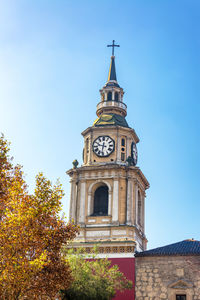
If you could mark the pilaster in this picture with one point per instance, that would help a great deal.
(129, 200)
(82, 202)
(73, 201)
(115, 208)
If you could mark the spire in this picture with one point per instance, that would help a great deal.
(112, 71)
(112, 96)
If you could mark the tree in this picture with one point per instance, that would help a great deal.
(93, 278)
(31, 235)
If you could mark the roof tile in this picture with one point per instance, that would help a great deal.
(186, 247)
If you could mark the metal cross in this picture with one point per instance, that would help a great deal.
(113, 45)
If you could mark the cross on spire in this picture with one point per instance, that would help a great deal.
(113, 46)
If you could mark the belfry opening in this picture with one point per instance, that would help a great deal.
(101, 201)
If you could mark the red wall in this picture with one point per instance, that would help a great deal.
(126, 266)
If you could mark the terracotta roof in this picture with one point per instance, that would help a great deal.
(186, 247)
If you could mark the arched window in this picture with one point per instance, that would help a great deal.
(139, 209)
(109, 98)
(116, 96)
(101, 201)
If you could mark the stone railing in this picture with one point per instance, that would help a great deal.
(118, 104)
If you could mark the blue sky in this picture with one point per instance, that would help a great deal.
(54, 60)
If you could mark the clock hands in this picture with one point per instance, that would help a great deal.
(103, 146)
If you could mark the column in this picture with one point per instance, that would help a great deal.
(136, 203)
(90, 148)
(113, 95)
(106, 96)
(72, 214)
(143, 210)
(115, 212)
(109, 202)
(129, 201)
(90, 208)
(133, 202)
(118, 149)
(82, 202)
(128, 147)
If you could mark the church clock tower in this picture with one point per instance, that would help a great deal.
(108, 190)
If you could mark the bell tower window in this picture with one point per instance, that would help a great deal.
(109, 98)
(116, 96)
(101, 201)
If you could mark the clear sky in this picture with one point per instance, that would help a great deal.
(54, 60)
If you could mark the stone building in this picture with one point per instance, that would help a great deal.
(170, 273)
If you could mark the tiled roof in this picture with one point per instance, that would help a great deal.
(186, 247)
(110, 119)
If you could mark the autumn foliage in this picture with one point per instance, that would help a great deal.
(93, 278)
(31, 235)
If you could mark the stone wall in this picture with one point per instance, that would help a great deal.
(164, 277)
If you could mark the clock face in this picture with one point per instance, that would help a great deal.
(103, 146)
(134, 153)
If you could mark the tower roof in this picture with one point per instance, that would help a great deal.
(186, 247)
(112, 71)
(110, 120)
(112, 77)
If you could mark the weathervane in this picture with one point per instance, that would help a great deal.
(113, 46)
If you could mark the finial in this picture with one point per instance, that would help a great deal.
(75, 163)
(113, 46)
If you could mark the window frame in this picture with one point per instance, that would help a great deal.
(181, 295)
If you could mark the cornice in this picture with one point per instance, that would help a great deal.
(99, 128)
(109, 166)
